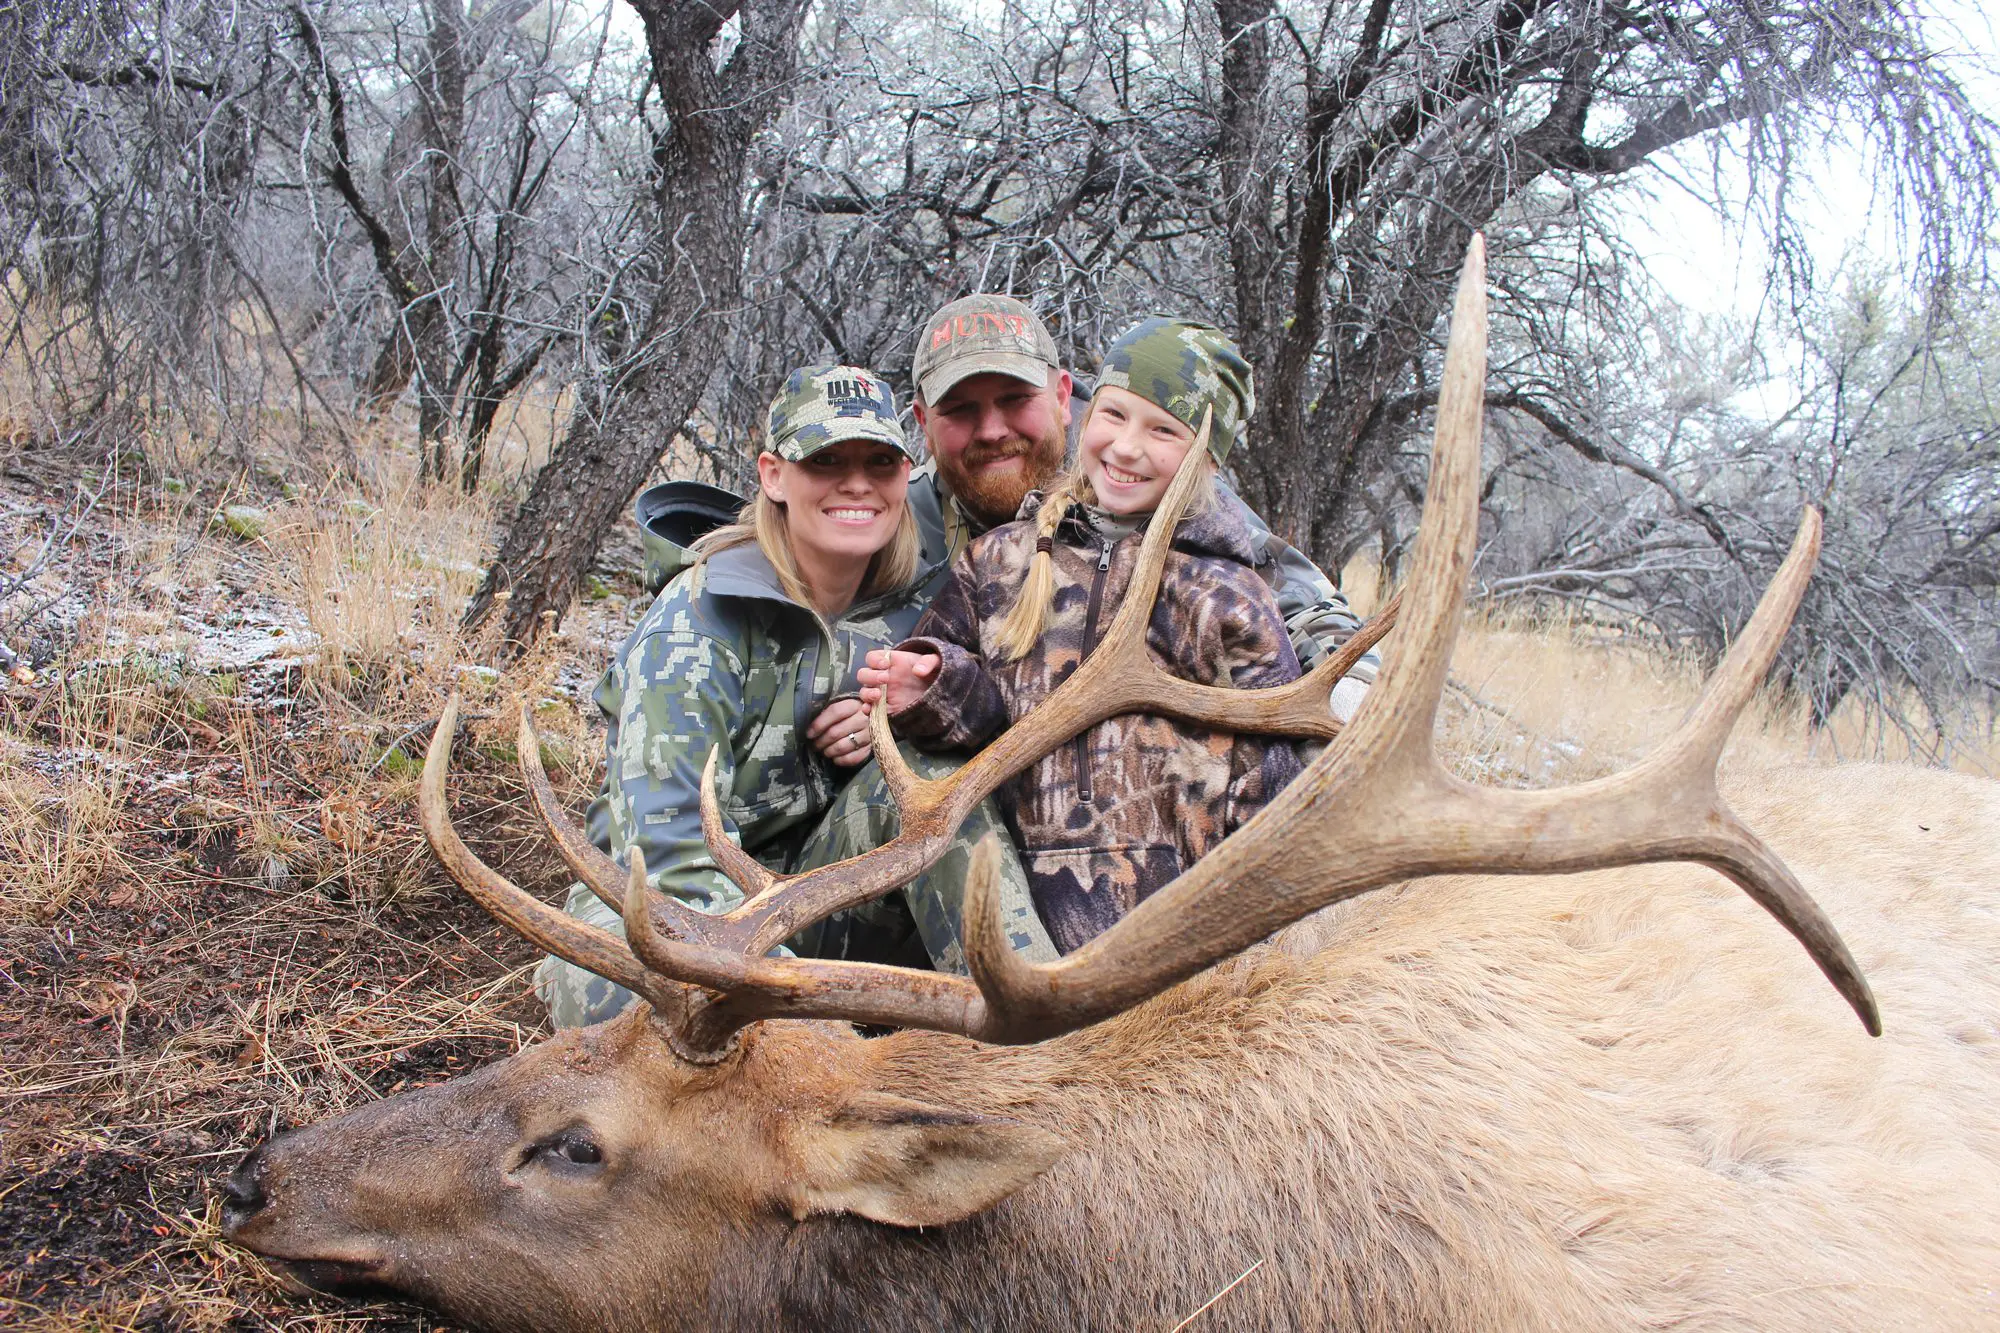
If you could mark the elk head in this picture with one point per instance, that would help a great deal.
(598, 1179)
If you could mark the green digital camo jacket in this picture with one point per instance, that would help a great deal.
(1316, 616)
(1104, 821)
(723, 657)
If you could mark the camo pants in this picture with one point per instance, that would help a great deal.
(916, 926)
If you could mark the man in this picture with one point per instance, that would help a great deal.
(994, 406)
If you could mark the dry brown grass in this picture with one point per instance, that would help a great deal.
(57, 838)
(219, 915)
(380, 585)
(1542, 699)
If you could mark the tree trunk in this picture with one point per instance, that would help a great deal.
(442, 88)
(625, 419)
(394, 364)
(1281, 299)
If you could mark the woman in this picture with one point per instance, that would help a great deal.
(743, 648)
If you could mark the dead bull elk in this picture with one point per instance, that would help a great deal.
(1589, 1102)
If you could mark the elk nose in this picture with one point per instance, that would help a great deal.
(243, 1191)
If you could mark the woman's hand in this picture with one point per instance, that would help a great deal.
(896, 676)
(840, 733)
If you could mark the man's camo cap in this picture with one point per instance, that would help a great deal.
(981, 335)
(823, 405)
(1184, 367)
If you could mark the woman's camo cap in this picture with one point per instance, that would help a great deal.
(823, 405)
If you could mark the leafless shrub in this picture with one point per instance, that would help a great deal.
(1661, 512)
(288, 204)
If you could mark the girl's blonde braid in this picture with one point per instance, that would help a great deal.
(1022, 629)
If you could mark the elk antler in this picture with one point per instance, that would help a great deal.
(1374, 808)
(557, 932)
(710, 972)
(1377, 807)
(1119, 677)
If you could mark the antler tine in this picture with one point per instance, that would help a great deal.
(1708, 724)
(1376, 807)
(896, 774)
(1297, 709)
(1358, 643)
(593, 867)
(553, 931)
(1400, 713)
(749, 987)
(743, 869)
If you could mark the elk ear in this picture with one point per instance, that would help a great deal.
(909, 1164)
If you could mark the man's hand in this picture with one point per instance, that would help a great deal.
(897, 676)
(840, 732)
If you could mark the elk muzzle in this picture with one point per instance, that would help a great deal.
(246, 1219)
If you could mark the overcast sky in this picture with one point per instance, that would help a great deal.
(1716, 264)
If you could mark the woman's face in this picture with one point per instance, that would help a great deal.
(1130, 450)
(842, 503)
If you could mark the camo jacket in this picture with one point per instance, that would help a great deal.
(723, 657)
(1118, 813)
(1315, 613)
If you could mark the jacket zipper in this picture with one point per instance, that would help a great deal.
(1083, 786)
(819, 785)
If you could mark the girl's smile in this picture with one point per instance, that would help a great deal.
(1130, 449)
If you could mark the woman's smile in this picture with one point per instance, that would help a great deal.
(843, 503)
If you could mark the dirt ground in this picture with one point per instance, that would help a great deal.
(217, 917)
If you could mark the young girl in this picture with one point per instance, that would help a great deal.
(1118, 813)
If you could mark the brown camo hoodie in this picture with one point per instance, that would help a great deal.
(1118, 813)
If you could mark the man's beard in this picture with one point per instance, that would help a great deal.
(994, 498)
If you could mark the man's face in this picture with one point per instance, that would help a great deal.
(996, 438)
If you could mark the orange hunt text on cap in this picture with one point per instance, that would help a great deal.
(964, 326)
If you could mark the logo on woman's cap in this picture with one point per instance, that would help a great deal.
(823, 405)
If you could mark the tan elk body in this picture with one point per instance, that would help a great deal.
(1613, 1100)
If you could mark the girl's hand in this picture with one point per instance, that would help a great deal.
(896, 676)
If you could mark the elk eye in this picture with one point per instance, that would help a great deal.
(576, 1148)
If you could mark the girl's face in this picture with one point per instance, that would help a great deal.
(843, 503)
(1130, 449)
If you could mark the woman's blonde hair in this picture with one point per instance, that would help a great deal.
(1029, 616)
(764, 522)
